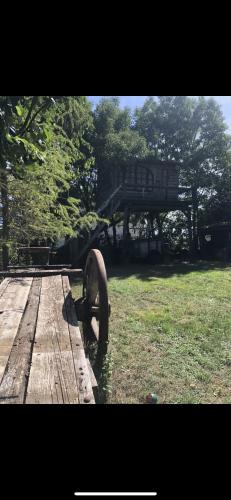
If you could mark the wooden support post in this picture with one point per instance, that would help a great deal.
(159, 226)
(107, 237)
(151, 219)
(114, 233)
(189, 221)
(126, 233)
(126, 224)
(160, 232)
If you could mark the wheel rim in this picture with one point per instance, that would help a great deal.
(95, 293)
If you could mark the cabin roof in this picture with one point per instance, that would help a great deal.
(148, 161)
(157, 162)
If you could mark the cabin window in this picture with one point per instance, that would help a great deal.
(131, 176)
(141, 178)
(138, 178)
(157, 177)
(164, 177)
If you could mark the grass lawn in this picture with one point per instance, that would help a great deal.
(170, 333)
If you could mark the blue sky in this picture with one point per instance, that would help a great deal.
(133, 101)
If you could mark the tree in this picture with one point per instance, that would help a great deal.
(146, 123)
(114, 139)
(18, 116)
(41, 139)
(115, 143)
(192, 132)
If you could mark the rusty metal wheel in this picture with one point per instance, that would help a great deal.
(94, 308)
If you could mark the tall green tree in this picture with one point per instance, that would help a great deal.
(20, 133)
(115, 143)
(41, 140)
(114, 139)
(191, 131)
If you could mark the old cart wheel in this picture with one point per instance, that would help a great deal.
(95, 298)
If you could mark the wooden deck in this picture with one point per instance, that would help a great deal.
(42, 359)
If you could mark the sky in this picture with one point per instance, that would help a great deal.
(134, 101)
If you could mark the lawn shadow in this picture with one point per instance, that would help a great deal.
(147, 272)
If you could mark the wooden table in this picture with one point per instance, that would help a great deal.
(42, 358)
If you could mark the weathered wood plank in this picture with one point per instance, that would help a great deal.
(15, 378)
(92, 375)
(12, 305)
(52, 375)
(3, 286)
(41, 266)
(41, 273)
(81, 366)
(34, 249)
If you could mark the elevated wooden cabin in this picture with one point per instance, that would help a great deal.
(144, 185)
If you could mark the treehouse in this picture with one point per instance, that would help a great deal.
(142, 186)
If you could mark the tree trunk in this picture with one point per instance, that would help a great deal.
(114, 233)
(126, 224)
(107, 237)
(126, 234)
(189, 223)
(160, 226)
(151, 220)
(160, 232)
(5, 218)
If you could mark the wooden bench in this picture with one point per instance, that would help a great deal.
(42, 355)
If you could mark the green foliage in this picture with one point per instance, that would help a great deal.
(192, 132)
(38, 212)
(43, 154)
(52, 147)
(115, 142)
(189, 130)
(146, 124)
(124, 147)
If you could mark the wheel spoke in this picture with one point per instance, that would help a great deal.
(95, 327)
(96, 295)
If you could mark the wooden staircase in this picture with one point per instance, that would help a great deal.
(113, 207)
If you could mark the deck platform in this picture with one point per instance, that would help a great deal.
(42, 357)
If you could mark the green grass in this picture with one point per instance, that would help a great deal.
(170, 333)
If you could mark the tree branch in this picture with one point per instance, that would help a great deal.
(23, 127)
(29, 119)
(46, 104)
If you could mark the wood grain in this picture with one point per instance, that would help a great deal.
(81, 366)
(53, 372)
(12, 305)
(3, 286)
(41, 273)
(15, 378)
